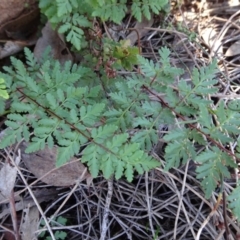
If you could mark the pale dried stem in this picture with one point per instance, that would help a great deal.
(105, 220)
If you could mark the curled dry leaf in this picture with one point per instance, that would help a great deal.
(53, 39)
(233, 50)
(8, 175)
(43, 165)
(10, 48)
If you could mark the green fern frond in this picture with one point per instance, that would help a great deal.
(113, 130)
(71, 16)
(66, 7)
(112, 124)
(163, 73)
(111, 10)
(148, 67)
(67, 152)
(146, 138)
(234, 200)
(91, 155)
(145, 7)
(213, 167)
(3, 91)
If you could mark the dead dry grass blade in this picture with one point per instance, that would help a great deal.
(32, 195)
(159, 204)
(106, 211)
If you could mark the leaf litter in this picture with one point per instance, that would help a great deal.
(172, 203)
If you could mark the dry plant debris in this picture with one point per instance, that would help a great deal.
(42, 165)
(51, 38)
(171, 202)
(18, 25)
(30, 223)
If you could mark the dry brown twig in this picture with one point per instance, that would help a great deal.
(105, 219)
(31, 193)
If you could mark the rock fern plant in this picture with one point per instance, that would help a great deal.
(72, 17)
(68, 107)
(112, 123)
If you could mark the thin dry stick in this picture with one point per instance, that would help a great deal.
(180, 35)
(181, 204)
(16, 194)
(32, 195)
(225, 215)
(187, 185)
(13, 206)
(148, 205)
(69, 227)
(122, 224)
(184, 211)
(232, 146)
(208, 218)
(6, 230)
(223, 31)
(9, 194)
(69, 195)
(14, 216)
(166, 30)
(106, 209)
(220, 235)
(133, 194)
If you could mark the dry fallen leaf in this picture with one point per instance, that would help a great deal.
(140, 30)
(209, 36)
(29, 225)
(53, 39)
(43, 165)
(8, 175)
(11, 48)
(233, 50)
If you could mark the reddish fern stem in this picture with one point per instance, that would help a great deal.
(189, 124)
